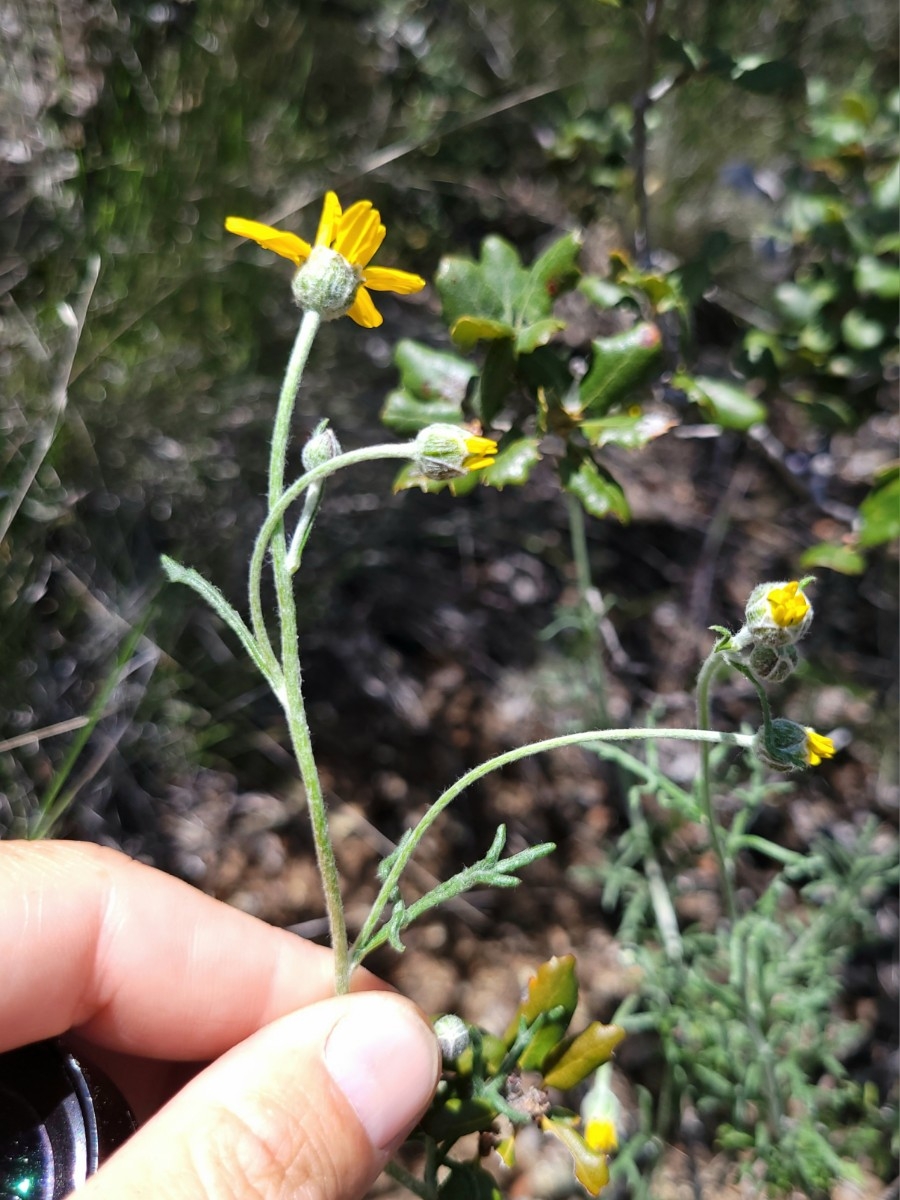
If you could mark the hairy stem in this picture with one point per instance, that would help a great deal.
(586, 738)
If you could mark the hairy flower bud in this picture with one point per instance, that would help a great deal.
(326, 283)
(778, 614)
(321, 447)
(448, 451)
(453, 1036)
(791, 746)
(773, 663)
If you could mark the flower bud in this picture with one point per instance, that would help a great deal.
(453, 1036)
(326, 283)
(448, 451)
(791, 746)
(602, 1113)
(321, 447)
(778, 614)
(773, 663)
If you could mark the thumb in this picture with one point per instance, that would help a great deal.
(310, 1106)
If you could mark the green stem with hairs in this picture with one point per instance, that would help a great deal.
(586, 738)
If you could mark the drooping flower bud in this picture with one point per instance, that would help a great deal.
(326, 283)
(773, 663)
(791, 746)
(602, 1113)
(453, 1036)
(778, 614)
(321, 447)
(448, 451)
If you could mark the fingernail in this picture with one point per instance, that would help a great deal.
(384, 1058)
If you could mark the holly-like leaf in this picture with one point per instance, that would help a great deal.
(468, 331)
(591, 1167)
(725, 403)
(497, 297)
(621, 363)
(434, 385)
(632, 431)
(568, 1065)
(513, 465)
(599, 494)
(538, 334)
(553, 987)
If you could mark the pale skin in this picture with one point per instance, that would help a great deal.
(249, 1078)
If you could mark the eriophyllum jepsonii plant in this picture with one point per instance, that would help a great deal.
(334, 278)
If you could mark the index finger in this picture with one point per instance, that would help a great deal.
(137, 960)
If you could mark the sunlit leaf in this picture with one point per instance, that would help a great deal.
(834, 557)
(725, 403)
(631, 431)
(585, 1054)
(553, 986)
(591, 1167)
(620, 364)
(538, 334)
(468, 331)
(880, 512)
(877, 278)
(600, 495)
(514, 463)
(861, 332)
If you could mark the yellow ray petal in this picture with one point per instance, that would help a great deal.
(387, 279)
(364, 312)
(358, 232)
(330, 219)
(288, 245)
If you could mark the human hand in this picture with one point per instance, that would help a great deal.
(305, 1093)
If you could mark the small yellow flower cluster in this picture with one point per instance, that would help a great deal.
(334, 275)
(788, 605)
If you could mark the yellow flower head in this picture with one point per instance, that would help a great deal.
(788, 605)
(788, 746)
(448, 451)
(778, 614)
(339, 274)
(817, 747)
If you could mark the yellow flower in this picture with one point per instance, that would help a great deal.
(817, 747)
(355, 236)
(788, 605)
(600, 1134)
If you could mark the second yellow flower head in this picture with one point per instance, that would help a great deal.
(344, 246)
